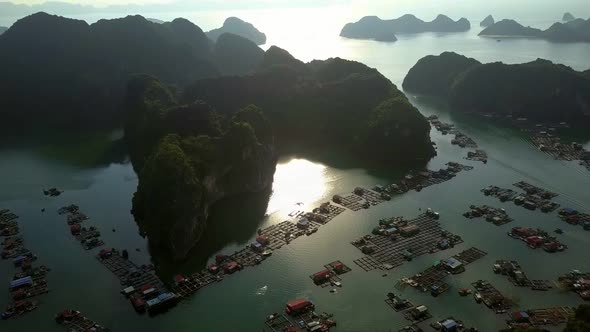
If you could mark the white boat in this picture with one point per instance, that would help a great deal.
(336, 283)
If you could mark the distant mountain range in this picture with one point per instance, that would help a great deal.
(577, 30)
(568, 17)
(372, 27)
(238, 27)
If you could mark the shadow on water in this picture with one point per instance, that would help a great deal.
(79, 149)
(233, 220)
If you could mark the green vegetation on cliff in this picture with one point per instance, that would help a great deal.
(435, 75)
(332, 103)
(540, 90)
(60, 71)
(187, 158)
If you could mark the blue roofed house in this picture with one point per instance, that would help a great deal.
(453, 265)
(449, 325)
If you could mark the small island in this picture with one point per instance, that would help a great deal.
(539, 90)
(374, 28)
(577, 30)
(568, 17)
(238, 27)
(488, 21)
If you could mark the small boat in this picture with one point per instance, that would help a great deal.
(266, 253)
(333, 290)
(558, 231)
(464, 291)
(336, 283)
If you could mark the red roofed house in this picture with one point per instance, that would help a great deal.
(298, 306)
(535, 241)
(321, 276)
(231, 267)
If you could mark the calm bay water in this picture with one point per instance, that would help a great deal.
(103, 189)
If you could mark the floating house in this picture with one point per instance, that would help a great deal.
(322, 276)
(298, 306)
(453, 265)
(409, 230)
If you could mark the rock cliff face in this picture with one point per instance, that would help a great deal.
(489, 20)
(187, 161)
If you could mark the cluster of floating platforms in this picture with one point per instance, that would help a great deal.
(74, 321)
(460, 139)
(432, 278)
(268, 240)
(494, 215)
(27, 284)
(327, 212)
(362, 198)
(299, 323)
(517, 277)
(403, 240)
(573, 217)
(578, 282)
(477, 155)
(491, 297)
(8, 223)
(540, 317)
(533, 198)
(89, 237)
(139, 283)
(451, 324)
(553, 146)
(330, 275)
(537, 238)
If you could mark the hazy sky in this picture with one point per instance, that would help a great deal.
(473, 9)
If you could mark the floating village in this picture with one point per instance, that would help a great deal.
(393, 242)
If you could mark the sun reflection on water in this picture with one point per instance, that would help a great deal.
(297, 182)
